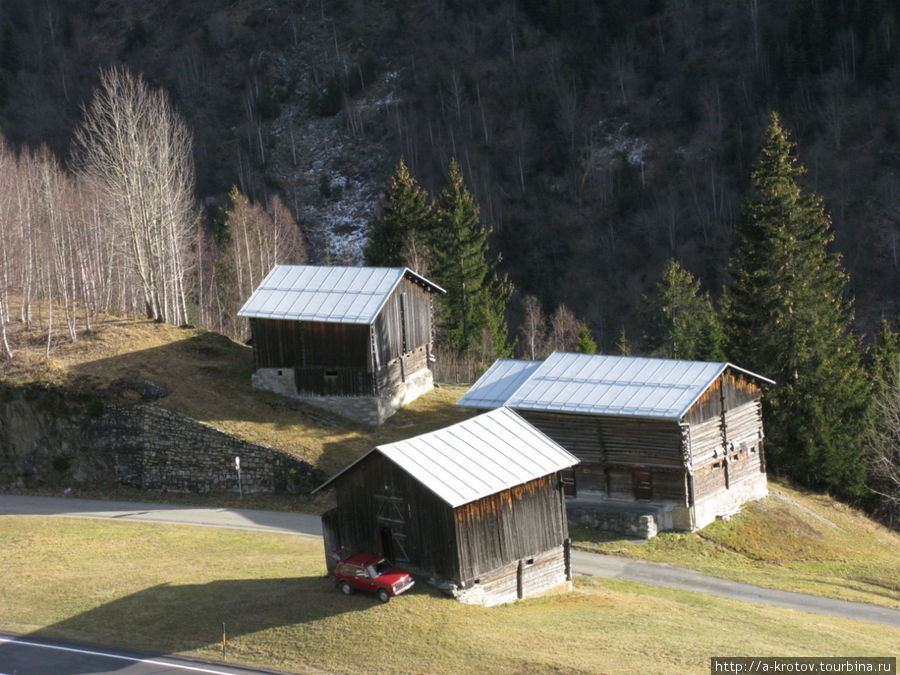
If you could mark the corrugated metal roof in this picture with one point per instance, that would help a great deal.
(498, 383)
(475, 458)
(326, 294)
(617, 386)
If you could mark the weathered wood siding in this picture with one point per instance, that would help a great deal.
(431, 538)
(726, 434)
(613, 440)
(730, 390)
(515, 524)
(289, 344)
(378, 494)
(520, 579)
(404, 323)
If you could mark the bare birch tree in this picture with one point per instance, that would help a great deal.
(534, 329)
(138, 149)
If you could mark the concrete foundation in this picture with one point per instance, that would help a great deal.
(371, 410)
(645, 519)
(725, 502)
(541, 575)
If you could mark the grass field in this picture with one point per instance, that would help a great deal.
(168, 589)
(793, 540)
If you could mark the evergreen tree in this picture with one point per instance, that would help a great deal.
(586, 343)
(685, 323)
(406, 220)
(476, 297)
(788, 319)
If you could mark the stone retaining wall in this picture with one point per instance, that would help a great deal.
(157, 449)
(46, 441)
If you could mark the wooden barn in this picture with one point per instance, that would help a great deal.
(354, 340)
(477, 508)
(685, 437)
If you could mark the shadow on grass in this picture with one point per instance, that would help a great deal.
(169, 619)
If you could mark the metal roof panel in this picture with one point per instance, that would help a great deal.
(326, 294)
(605, 385)
(498, 383)
(477, 457)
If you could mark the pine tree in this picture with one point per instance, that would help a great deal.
(586, 343)
(685, 323)
(788, 319)
(476, 297)
(406, 220)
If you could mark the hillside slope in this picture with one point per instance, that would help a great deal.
(793, 540)
(207, 377)
(600, 137)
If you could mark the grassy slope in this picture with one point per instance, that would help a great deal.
(792, 540)
(208, 378)
(280, 611)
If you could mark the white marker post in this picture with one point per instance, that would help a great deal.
(237, 465)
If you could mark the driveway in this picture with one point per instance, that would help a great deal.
(583, 563)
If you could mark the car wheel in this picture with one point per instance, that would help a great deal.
(383, 595)
(346, 588)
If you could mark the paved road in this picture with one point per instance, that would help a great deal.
(29, 656)
(582, 562)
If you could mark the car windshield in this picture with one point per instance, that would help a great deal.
(379, 568)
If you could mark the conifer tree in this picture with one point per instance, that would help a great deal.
(788, 319)
(685, 323)
(586, 343)
(476, 297)
(406, 221)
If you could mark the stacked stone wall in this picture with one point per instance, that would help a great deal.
(157, 449)
(139, 444)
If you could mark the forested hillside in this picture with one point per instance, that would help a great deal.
(600, 137)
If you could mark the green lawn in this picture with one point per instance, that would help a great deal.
(168, 589)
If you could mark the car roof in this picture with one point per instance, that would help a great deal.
(362, 559)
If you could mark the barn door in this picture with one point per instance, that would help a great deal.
(391, 524)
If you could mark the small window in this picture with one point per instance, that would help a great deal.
(331, 374)
(643, 485)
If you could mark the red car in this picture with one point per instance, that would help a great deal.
(372, 573)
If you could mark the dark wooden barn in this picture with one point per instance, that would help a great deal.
(356, 340)
(476, 507)
(684, 436)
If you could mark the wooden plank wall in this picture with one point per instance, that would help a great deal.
(732, 388)
(416, 303)
(289, 344)
(427, 523)
(401, 368)
(515, 524)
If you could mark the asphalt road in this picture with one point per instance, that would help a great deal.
(21, 655)
(583, 563)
